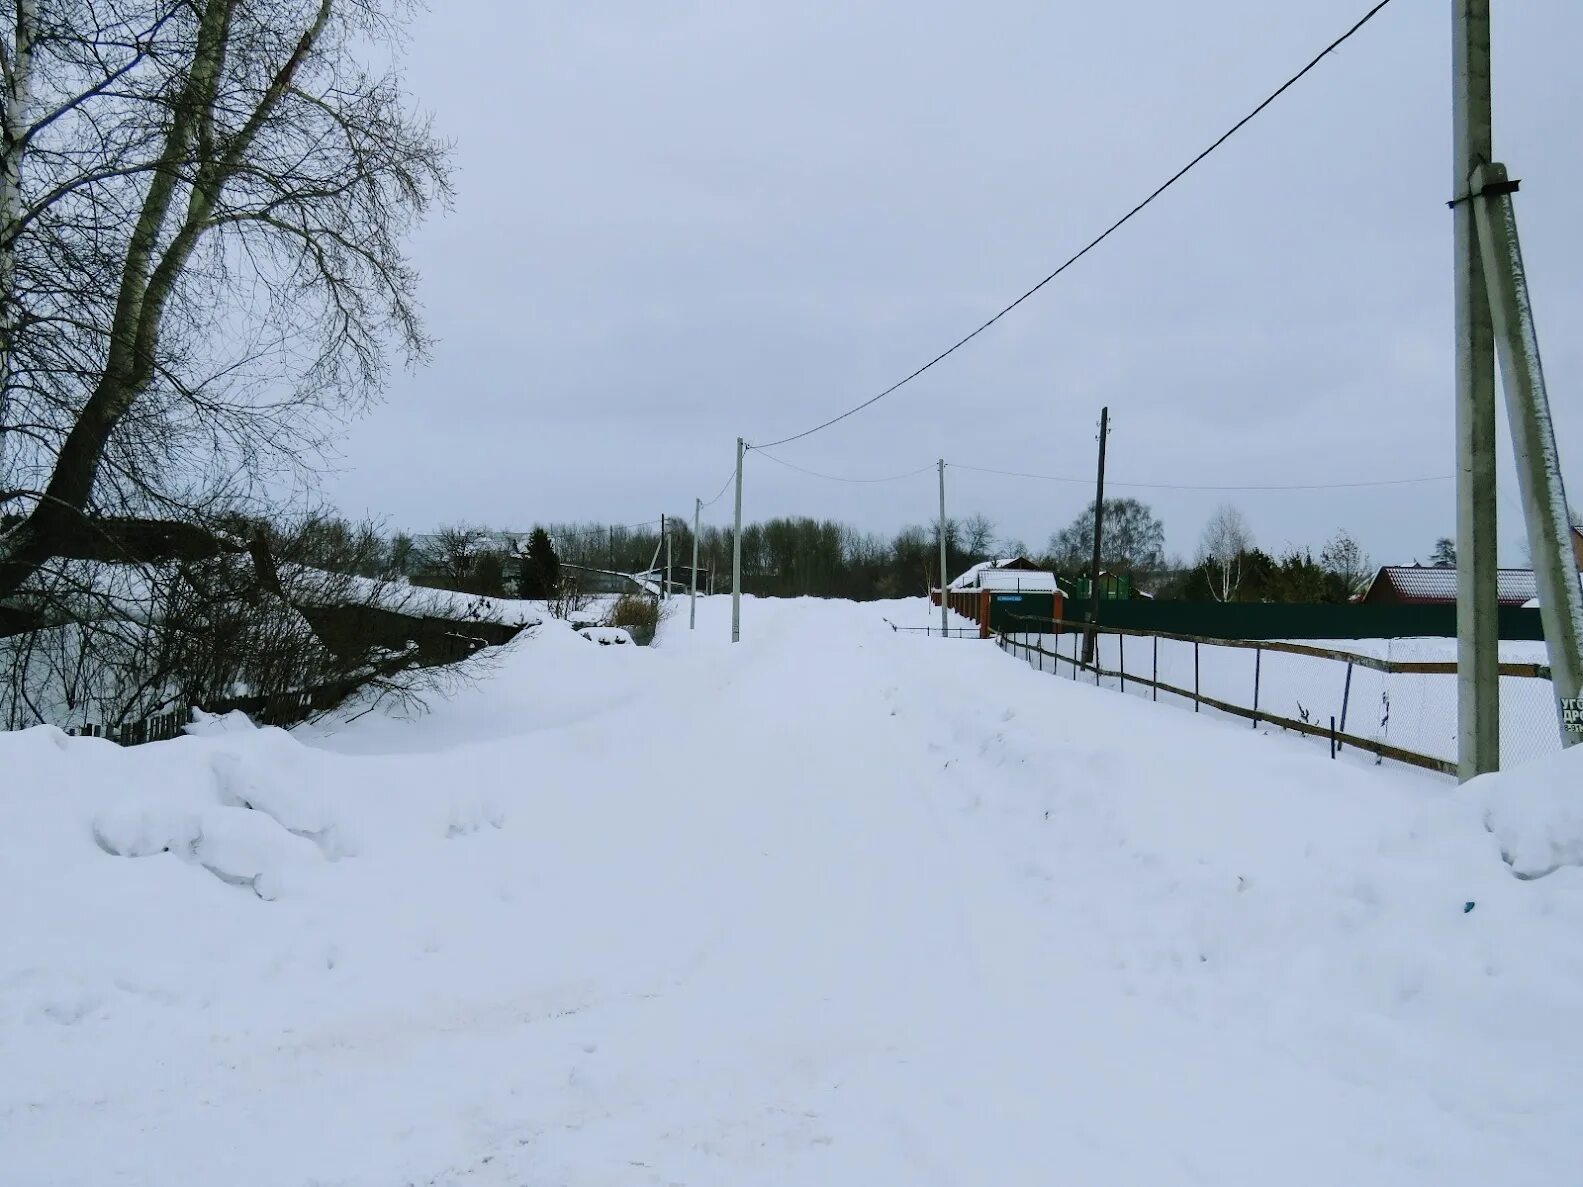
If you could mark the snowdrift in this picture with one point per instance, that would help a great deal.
(834, 906)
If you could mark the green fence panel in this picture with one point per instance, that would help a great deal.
(1006, 609)
(1277, 620)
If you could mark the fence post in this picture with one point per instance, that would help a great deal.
(1258, 655)
(1155, 691)
(1097, 663)
(1332, 735)
(1195, 675)
(1074, 655)
(1121, 661)
(1346, 694)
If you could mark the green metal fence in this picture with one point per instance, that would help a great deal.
(1275, 620)
(1006, 607)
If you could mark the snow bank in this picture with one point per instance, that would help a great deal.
(1535, 813)
(835, 905)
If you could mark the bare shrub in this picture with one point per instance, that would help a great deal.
(568, 600)
(639, 614)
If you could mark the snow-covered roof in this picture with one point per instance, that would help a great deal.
(511, 543)
(1417, 583)
(1008, 573)
(969, 579)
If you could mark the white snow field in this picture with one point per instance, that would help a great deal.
(836, 906)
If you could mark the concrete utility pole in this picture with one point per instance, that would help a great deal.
(692, 595)
(945, 621)
(1091, 638)
(736, 556)
(1533, 437)
(1478, 627)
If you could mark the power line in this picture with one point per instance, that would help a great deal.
(1185, 486)
(1209, 487)
(836, 477)
(1097, 240)
(721, 491)
(600, 532)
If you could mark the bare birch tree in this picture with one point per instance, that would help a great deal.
(1221, 550)
(202, 206)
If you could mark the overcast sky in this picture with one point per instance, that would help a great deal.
(681, 222)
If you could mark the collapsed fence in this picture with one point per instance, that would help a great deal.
(277, 709)
(1409, 704)
(280, 709)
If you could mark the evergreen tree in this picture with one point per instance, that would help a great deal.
(541, 567)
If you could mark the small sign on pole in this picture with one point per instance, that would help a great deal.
(1572, 714)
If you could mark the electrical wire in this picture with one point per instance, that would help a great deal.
(1097, 240)
(601, 532)
(721, 491)
(1210, 487)
(838, 478)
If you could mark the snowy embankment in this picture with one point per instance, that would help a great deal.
(834, 906)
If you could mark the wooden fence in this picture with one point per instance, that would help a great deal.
(159, 728)
(1335, 732)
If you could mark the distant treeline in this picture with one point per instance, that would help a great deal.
(806, 557)
(794, 557)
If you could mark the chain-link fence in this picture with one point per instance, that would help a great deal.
(1395, 699)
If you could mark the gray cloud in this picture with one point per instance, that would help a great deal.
(677, 223)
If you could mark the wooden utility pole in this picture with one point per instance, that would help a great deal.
(945, 621)
(736, 556)
(1091, 638)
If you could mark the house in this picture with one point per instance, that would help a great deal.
(1016, 573)
(1113, 587)
(601, 581)
(1011, 594)
(1420, 585)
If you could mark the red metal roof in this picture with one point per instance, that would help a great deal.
(1416, 583)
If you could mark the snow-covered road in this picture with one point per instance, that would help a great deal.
(834, 906)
